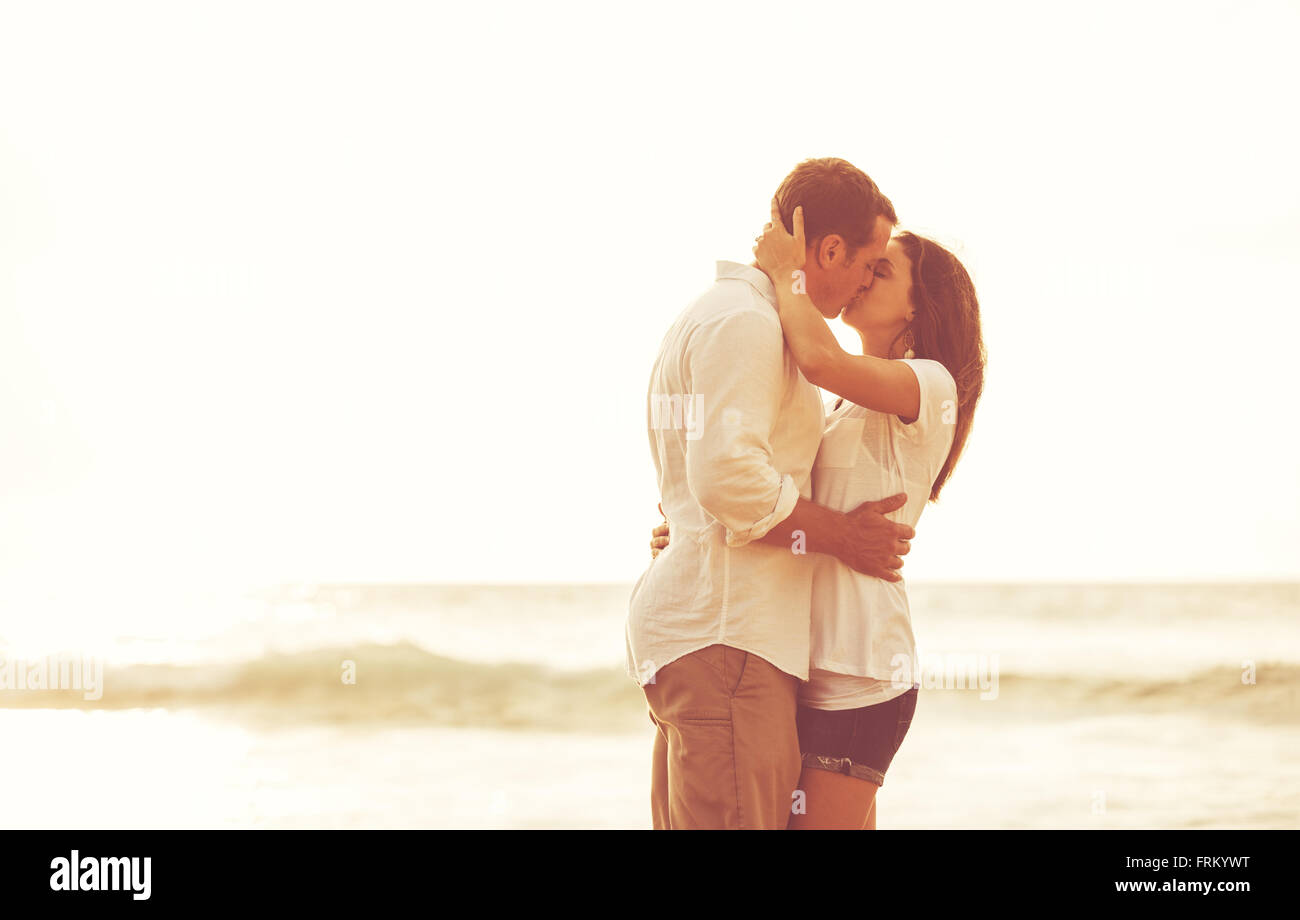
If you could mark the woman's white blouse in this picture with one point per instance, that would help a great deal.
(861, 626)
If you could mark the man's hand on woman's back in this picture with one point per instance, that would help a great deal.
(863, 539)
(873, 544)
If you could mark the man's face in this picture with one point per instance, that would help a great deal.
(844, 275)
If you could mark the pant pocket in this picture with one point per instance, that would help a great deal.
(692, 688)
(734, 664)
(703, 791)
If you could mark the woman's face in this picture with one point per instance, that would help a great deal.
(887, 303)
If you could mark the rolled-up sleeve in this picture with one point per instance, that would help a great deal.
(737, 373)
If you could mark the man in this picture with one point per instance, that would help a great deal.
(718, 626)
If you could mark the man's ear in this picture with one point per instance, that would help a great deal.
(831, 250)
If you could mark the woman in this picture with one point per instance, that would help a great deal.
(904, 413)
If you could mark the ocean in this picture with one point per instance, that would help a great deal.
(493, 706)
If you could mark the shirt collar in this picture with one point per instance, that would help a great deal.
(754, 277)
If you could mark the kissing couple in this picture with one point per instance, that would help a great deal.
(771, 632)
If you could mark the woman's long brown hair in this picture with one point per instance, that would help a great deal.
(946, 328)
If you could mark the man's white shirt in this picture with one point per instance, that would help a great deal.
(734, 430)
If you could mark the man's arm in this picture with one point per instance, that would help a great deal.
(816, 529)
(737, 380)
(737, 373)
(863, 539)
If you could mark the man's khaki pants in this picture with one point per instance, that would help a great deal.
(726, 752)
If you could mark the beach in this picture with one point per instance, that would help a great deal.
(506, 707)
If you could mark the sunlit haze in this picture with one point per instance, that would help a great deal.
(371, 292)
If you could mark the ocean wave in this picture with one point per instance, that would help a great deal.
(393, 683)
(406, 684)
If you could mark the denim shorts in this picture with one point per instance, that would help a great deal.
(856, 742)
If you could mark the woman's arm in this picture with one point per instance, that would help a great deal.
(873, 383)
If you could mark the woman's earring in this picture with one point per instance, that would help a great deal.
(909, 343)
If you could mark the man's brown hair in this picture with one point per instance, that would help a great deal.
(837, 197)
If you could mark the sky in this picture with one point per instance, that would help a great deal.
(371, 291)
